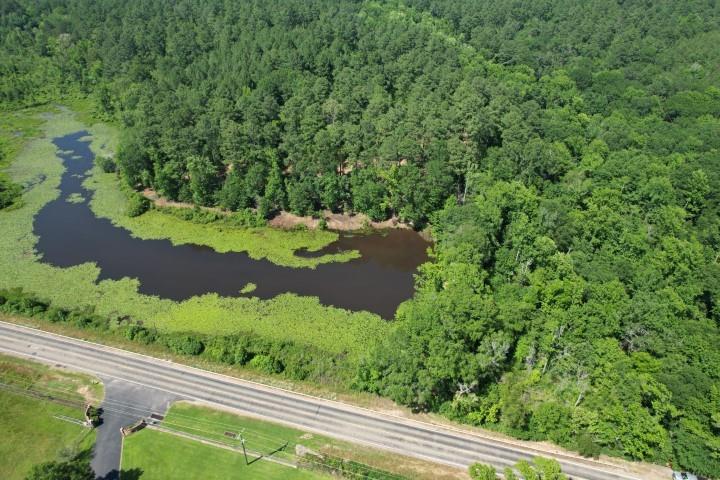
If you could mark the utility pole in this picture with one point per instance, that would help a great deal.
(242, 441)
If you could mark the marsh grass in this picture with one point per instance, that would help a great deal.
(276, 245)
(286, 317)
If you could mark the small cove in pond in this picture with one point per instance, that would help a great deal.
(70, 234)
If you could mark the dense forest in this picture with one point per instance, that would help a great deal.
(566, 156)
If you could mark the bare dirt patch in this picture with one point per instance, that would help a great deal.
(159, 201)
(342, 222)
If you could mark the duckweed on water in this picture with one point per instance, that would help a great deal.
(75, 198)
(286, 317)
(276, 245)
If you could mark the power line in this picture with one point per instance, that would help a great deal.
(267, 443)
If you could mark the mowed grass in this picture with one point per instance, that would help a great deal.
(260, 436)
(30, 432)
(266, 437)
(284, 318)
(155, 455)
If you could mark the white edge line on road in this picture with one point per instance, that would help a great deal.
(429, 426)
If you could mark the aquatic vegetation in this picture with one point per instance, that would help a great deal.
(16, 127)
(279, 246)
(112, 198)
(284, 318)
(75, 198)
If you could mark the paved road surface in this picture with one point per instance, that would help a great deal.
(124, 404)
(404, 436)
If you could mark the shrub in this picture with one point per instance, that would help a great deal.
(137, 205)
(141, 334)
(551, 420)
(587, 447)
(242, 353)
(263, 363)
(57, 315)
(220, 349)
(246, 218)
(107, 164)
(87, 319)
(17, 301)
(9, 192)
(184, 344)
(479, 471)
(264, 208)
(242, 218)
(94, 414)
(75, 469)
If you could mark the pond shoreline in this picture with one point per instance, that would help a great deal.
(336, 222)
(300, 320)
(71, 234)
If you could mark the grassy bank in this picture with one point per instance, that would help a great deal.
(284, 318)
(324, 389)
(32, 433)
(274, 244)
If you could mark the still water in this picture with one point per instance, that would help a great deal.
(70, 234)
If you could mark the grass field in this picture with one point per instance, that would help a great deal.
(265, 437)
(155, 455)
(284, 318)
(31, 433)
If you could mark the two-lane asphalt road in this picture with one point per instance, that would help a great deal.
(407, 437)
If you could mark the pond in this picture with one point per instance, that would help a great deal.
(70, 234)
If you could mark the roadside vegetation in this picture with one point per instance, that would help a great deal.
(304, 357)
(39, 405)
(564, 153)
(539, 469)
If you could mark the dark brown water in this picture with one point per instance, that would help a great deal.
(70, 234)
